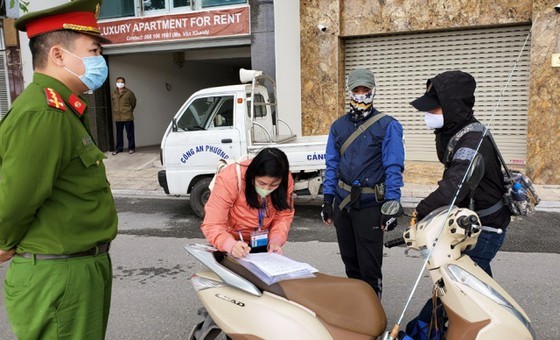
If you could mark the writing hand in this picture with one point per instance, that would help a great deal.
(240, 249)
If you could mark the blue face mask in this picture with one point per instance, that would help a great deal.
(96, 71)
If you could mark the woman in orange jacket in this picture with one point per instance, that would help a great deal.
(255, 215)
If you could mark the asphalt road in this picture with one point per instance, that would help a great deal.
(174, 218)
(153, 298)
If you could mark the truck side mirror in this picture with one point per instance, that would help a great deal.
(174, 125)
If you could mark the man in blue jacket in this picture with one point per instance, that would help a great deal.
(363, 177)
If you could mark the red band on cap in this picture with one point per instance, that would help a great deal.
(57, 22)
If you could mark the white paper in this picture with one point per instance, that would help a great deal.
(271, 268)
(274, 264)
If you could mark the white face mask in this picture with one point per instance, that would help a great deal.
(120, 85)
(433, 121)
(263, 192)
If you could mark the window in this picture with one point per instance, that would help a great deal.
(154, 5)
(117, 9)
(259, 109)
(181, 3)
(212, 3)
(207, 112)
(165, 5)
(224, 115)
(126, 8)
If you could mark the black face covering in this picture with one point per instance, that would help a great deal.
(361, 105)
(357, 115)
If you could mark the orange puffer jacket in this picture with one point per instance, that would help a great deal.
(227, 212)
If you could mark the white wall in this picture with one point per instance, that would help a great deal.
(288, 66)
(146, 75)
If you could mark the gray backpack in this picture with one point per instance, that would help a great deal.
(517, 185)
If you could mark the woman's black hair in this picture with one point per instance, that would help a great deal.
(270, 162)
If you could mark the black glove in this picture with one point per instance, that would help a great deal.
(327, 212)
(390, 210)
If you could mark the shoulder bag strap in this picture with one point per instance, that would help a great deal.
(359, 131)
(504, 165)
(450, 150)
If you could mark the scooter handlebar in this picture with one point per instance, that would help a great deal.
(395, 242)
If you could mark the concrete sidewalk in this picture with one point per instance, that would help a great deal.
(136, 174)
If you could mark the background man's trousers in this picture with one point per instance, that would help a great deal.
(129, 127)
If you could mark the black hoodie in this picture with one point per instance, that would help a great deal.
(455, 91)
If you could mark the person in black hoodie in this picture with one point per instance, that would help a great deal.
(448, 108)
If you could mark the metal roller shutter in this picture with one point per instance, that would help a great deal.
(403, 63)
(4, 86)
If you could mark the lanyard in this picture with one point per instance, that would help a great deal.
(262, 212)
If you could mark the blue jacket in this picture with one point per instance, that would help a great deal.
(376, 156)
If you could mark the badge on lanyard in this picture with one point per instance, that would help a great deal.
(259, 238)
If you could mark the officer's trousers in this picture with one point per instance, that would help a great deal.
(360, 240)
(60, 298)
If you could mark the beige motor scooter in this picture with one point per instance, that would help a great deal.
(239, 304)
(475, 304)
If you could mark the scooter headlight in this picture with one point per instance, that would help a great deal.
(462, 276)
(200, 283)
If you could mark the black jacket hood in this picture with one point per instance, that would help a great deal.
(455, 91)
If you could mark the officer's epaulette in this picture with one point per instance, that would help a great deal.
(54, 99)
(77, 104)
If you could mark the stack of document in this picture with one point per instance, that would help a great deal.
(272, 267)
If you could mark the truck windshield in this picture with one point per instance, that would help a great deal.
(200, 114)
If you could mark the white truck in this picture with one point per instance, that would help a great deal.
(227, 123)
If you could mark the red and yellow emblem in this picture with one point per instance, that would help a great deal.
(77, 104)
(54, 99)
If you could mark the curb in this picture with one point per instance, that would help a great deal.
(143, 193)
(406, 201)
(549, 206)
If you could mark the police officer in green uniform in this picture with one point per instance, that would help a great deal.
(57, 214)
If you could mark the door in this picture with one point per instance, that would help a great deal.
(204, 134)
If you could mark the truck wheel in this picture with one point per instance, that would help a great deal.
(199, 196)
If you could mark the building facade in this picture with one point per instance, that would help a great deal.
(168, 49)
(405, 42)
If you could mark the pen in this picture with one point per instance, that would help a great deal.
(241, 236)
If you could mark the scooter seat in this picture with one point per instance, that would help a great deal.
(341, 302)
